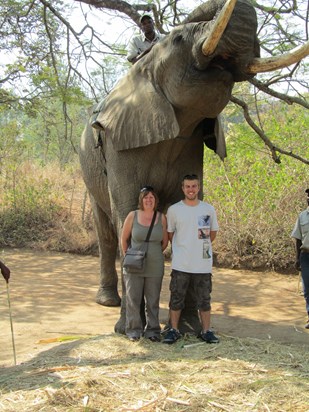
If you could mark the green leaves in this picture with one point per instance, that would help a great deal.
(257, 200)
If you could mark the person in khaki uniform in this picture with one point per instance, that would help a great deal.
(301, 235)
(143, 43)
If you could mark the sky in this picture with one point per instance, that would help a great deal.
(113, 27)
(119, 29)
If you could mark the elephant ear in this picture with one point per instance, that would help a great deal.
(220, 137)
(213, 135)
(136, 114)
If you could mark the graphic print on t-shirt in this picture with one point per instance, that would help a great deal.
(203, 225)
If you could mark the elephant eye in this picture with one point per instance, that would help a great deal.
(177, 39)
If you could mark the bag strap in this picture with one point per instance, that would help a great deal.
(151, 226)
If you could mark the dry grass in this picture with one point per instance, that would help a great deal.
(109, 373)
(252, 233)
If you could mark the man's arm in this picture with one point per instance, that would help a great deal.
(139, 56)
(213, 234)
(298, 244)
(133, 51)
(297, 235)
(133, 59)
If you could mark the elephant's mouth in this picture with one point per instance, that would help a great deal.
(222, 63)
(219, 63)
(217, 66)
(231, 69)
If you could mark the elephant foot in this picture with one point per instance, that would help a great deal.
(108, 297)
(120, 326)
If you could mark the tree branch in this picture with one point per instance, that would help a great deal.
(87, 54)
(288, 99)
(122, 6)
(274, 10)
(273, 148)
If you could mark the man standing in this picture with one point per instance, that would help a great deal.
(192, 256)
(301, 235)
(142, 43)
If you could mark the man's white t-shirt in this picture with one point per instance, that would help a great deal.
(191, 245)
(140, 43)
(301, 229)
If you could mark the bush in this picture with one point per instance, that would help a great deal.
(257, 203)
(44, 207)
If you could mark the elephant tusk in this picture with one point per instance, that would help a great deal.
(268, 64)
(220, 24)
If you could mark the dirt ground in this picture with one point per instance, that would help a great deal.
(52, 295)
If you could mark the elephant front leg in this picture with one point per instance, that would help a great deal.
(189, 321)
(107, 294)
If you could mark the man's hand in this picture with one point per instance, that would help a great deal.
(5, 272)
(139, 56)
(297, 265)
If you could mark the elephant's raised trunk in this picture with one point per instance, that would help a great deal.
(256, 65)
(210, 44)
(268, 64)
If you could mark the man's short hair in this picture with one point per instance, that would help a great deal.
(145, 16)
(190, 177)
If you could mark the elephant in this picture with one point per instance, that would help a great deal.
(152, 127)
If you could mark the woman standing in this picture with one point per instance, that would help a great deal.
(148, 283)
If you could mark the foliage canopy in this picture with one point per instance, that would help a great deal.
(75, 49)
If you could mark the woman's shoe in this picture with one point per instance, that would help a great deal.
(133, 338)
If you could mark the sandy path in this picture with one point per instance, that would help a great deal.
(52, 295)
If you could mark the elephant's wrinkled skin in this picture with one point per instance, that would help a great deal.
(154, 124)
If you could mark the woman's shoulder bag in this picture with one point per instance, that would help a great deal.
(134, 259)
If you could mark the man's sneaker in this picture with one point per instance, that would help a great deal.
(172, 336)
(307, 324)
(209, 337)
